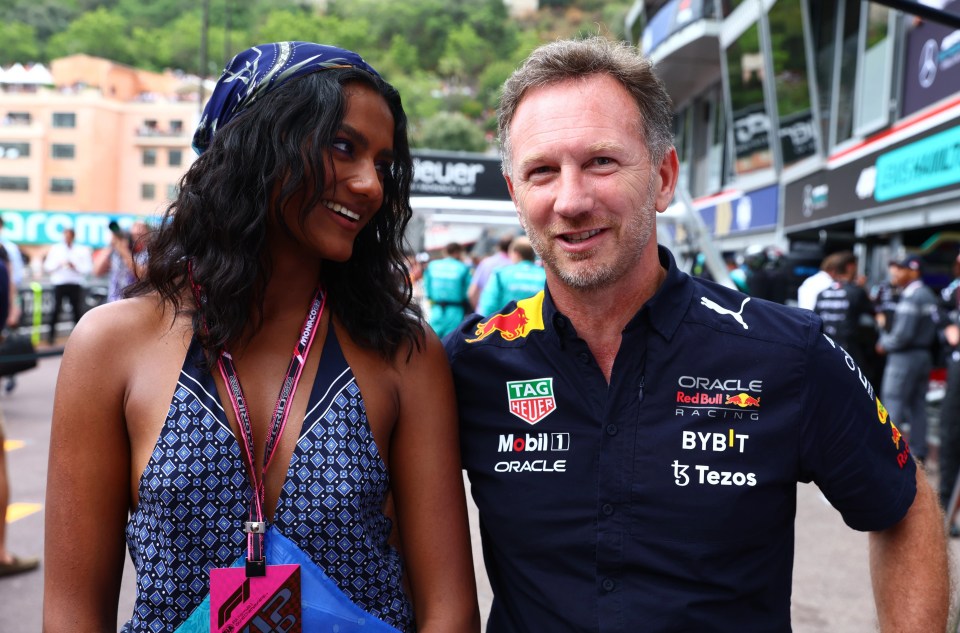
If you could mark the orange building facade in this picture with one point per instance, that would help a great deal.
(106, 141)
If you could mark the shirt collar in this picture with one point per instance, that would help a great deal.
(663, 311)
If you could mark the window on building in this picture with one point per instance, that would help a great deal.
(720, 173)
(635, 23)
(175, 158)
(791, 81)
(727, 6)
(63, 150)
(148, 191)
(18, 118)
(64, 119)
(149, 156)
(874, 77)
(173, 190)
(748, 111)
(707, 155)
(12, 151)
(61, 185)
(847, 80)
(681, 141)
(176, 126)
(823, 33)
(14, 183)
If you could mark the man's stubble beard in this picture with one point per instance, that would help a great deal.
(602, 274)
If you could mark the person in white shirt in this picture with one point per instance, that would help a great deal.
(812, 286)
(68, 264)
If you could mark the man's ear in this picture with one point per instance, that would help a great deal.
(667, 174)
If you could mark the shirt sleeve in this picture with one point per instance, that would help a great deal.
(906, 322)
(83, 260)
(849, 445)
(54, 259)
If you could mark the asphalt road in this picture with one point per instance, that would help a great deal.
(831, 583)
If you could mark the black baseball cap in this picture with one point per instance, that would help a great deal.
(911, 262)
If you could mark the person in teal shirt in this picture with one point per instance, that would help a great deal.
(445, 284)
(519, 280)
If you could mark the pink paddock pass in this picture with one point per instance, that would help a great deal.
(257, 604)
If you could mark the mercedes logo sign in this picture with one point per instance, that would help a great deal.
(928, 63)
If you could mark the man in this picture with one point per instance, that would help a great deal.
(848, 314)
(445, 283)
(124, 259)
(634, 435)
(950, 406)
(68, 264)
(908, 347)
(15, 268)
(9, 563)
(521, 279)
(481, 275)
(812, 286)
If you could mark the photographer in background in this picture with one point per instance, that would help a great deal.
(123, 259)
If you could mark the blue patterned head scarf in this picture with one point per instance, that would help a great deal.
(258, 70)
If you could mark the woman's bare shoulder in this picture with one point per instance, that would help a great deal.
(129, 326)
(423, 355)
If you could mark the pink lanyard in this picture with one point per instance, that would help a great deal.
(256, 527)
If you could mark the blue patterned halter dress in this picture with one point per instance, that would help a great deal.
(194, 496)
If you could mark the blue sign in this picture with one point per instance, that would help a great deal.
(928, 164)
(747, 211)
(672, 16)
(46, 227)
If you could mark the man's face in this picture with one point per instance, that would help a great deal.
(68, 236)
(902, 277)
(585, 189)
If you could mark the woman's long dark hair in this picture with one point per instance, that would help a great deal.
(218, 223)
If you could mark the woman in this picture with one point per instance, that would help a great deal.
(287, 229)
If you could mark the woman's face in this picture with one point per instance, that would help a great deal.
(356, 163)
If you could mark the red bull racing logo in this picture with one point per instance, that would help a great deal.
(895, 436)
(881, 412)
(525, 318)
(743, 400)
(510, 326)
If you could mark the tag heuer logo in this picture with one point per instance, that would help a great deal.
(531, 400)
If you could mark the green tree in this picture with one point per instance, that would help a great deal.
(492, 23)
(48, 17)
(421, 94)
(399, 59)
(465, 55)
(101, 33)
(155, 13)
(451, 131)
(352, 34)
(490, 82)
(289, 25)
(19, 43)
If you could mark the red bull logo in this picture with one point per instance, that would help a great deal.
(743, 401)
(882, 412)
(510, 326)
(525, 318)
(895, 432)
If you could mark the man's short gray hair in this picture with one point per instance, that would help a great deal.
(573, 59)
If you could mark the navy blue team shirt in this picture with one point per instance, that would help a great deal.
(666, 500)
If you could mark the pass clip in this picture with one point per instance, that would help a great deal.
(256, 568)
(255, 527)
